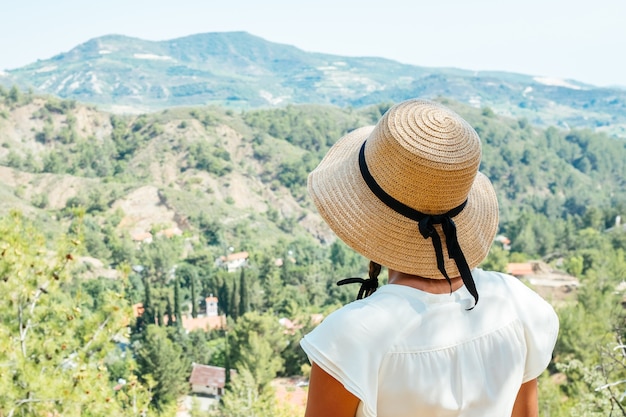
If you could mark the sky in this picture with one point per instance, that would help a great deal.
(582, 40)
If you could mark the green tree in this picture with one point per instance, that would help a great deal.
(496, 260)
(158, 260)
(149, 314)
(196, 346)
(161, 361)
(15, 95)
(271, 283)
(243, 398)
(53, 163)
(244, 300)
(234, 301)
(159, 257)
(338, 253)
(256, 343)
(122, 249)
(187, 275)
(170, 312)
(194, 296)
(177, 304)
(55, 341)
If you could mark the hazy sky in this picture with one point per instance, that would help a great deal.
(583, 40)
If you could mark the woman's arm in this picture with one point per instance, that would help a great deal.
(526, 403)
(328, 397)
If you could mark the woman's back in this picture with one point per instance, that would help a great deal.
(405, 352)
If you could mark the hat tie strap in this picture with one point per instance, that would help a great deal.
(427, 229)
(368, 286)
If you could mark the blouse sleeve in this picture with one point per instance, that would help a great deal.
(541, 327)
(348, 345)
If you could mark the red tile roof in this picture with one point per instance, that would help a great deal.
(189, 323)
(209, 376)
(204, 323)
(234, 256)
(520, 269)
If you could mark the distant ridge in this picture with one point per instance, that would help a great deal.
(240, 70)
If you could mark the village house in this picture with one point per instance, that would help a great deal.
(141, 237)
(232, 261)
(520, 269)
(208, 380)
(551, 284)
(170, 232)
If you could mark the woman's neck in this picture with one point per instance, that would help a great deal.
(433, 286)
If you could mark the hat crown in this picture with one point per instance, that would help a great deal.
(424, 155)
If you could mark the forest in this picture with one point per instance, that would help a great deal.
(70, 343)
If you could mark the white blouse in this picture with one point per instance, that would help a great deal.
(405, 353)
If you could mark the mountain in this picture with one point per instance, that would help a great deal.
(239, 70)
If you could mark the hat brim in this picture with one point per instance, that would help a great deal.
(382, 235)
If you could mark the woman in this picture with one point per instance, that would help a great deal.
(443, 338)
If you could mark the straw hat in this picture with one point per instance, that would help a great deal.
(422, 158)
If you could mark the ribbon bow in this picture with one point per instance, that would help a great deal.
(427, 229)
(368, 286)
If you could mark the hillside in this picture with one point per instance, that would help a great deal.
(168, 169)
(239, 178)
(242, 71)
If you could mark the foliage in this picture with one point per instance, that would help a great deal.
(589, 350)
(162, 366)
(54, 347)
(256, 342)
(243, 398)
(209, 158)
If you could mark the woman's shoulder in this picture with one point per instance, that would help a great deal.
(380, 304)
(527, 304)
(374, 317)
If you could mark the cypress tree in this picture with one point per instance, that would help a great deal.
(170, 314)
(227, 358)
(177, 308)
(234, 301)
(284, 269)
(244, 303)
(158, 315)
(194, 297)
(223, 299)
(148, 307)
